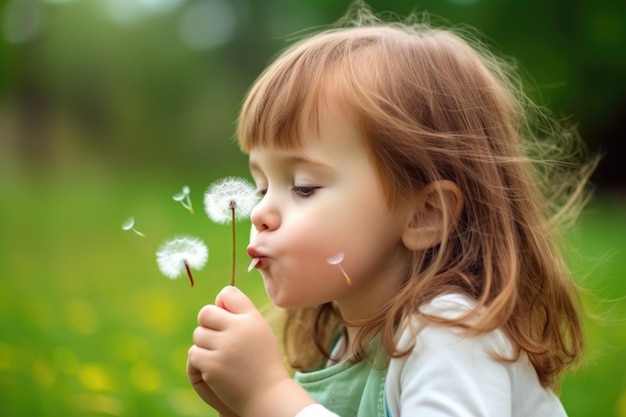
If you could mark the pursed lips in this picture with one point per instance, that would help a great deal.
(257, 258)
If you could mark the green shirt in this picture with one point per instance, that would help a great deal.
(346, 389)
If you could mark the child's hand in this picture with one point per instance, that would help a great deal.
(236, 365)
(205, 392)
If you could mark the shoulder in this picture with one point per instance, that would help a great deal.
(445, 338)
(449, 305)
(450, 372)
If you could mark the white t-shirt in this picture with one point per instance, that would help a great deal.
(450, 374)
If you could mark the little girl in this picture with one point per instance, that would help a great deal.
(408, 225)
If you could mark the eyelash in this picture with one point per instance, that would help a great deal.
(300, 191)
(305, 192)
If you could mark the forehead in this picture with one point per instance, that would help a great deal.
(330, 137)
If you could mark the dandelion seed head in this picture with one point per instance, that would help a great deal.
(186, 190)
(228, 193)
(173, 254)
(128, 224)
(335, 259)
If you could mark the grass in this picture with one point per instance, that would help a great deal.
(90, 328)
(598, 388)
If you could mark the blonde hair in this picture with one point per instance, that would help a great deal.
(435, 106)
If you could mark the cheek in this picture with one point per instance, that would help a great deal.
(314, 241)
(315, 237)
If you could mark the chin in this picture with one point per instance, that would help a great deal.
(279, 299)
(286, 296)
(274, 293)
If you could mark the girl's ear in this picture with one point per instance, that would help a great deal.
(436, 208)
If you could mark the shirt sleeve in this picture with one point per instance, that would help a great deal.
(315, 410)
(450, 375)
(453, 374)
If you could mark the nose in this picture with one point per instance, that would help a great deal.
(265, 216)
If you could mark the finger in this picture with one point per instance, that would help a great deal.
(193, 372)
(202, 364)
(213, 317)
(206, 338)
(235, 301)
(197, 361)
(204, 390)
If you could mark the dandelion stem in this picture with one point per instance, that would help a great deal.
(189, 206)
(343, 271)
(232, 207)
(189, 272)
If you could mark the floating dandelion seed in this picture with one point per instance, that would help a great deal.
(129, 224)
(183, 198)
(178, 255)
(254, 263)
(336, 260)
(228, 200)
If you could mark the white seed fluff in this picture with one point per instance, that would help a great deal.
(336, 259)
(228, 192)
(128, 224)
(173, 254)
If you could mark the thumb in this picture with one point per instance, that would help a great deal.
(234, 301)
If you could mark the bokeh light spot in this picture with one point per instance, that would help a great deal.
(133, 11)
(159, 5)
(99, 403)
(145, 377)
(158, 311)
(208, 24)
(95, 377)
(21, 20)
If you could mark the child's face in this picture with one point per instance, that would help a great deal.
(318, 200)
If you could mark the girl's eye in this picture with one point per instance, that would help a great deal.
(304, 192)
(261, 193)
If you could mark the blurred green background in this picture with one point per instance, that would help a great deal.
(109, 107)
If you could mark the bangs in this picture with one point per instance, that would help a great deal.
(290, 91)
